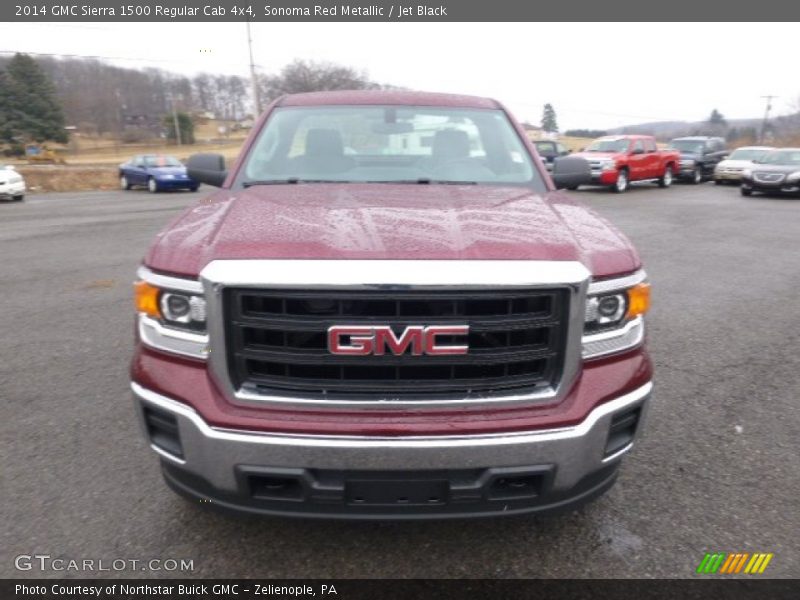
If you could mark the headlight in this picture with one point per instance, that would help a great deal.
(794, 176)
(613, 319)
(608, 165)
(172, 308)
(171, 314)
(605, 311)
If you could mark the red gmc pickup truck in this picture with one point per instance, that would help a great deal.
(388, 310)
(618, 160)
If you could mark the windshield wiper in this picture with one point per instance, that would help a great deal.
(253, 182)
(423, 181)
(290, 180)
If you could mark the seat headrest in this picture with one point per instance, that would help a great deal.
(450, 144)
(324, 142)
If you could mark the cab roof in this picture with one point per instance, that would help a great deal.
(390, 97)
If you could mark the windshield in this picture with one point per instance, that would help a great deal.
(782, 157)
(613, 145)
(748, 154)
(388, 144)
(687, 146)
(545, 147)
(161, 161)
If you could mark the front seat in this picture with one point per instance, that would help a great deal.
(449, 145)
(324, 154)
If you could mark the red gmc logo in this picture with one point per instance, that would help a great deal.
(360, 340)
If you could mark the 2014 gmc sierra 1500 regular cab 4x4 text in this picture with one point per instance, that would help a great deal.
(389, 311)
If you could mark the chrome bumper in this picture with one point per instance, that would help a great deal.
(214, 454)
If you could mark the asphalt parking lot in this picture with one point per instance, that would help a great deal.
(717, 470)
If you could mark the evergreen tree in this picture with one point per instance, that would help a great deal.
(184, 123)
(716, 119)
(29, 108)
(549, 123)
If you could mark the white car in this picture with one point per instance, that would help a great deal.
(731, 169)
(12, 185)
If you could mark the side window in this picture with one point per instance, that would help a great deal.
(649, 146)
(562, 149)
(638, 145)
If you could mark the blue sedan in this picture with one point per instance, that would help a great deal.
(156, 172)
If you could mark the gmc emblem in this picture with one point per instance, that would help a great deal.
(376, 339)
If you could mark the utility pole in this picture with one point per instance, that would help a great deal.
(175, 119)
(253, 81)
(766, 117)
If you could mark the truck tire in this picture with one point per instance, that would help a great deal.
(621, 184)
(666, 179)
(697, 176)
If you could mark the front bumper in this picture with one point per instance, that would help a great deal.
(392, 477)
(786, 187)
(176, 184)
(604, 177)
(11, 190)
(728, 175)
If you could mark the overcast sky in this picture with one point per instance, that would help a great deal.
(596, 75)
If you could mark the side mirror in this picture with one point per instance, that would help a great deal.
(207, 168)
(570, 172)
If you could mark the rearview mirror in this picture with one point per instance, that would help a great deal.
(570, 172)
(207, 168)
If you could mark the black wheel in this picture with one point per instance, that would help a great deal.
(745, 191)
(572, 188)
(194, 188)
(19, 198)
(124, 184)
(697, 176)
(152, 186)
(621, 184)
(666, 179)
(718, 182)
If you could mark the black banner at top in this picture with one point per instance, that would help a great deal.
(397, 10)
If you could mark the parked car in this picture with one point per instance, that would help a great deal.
(424, 327)
(617, 160)
(156, 172)
(776, 173)
(12, 184)
(699, 156)
(549, 151)
(730, 169)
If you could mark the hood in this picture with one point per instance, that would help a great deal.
(689, 155)
(168, 170)
(787, 169)
(387, 221)
(597, 155)
(735, 163)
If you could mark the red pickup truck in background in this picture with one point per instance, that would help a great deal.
(617, 160)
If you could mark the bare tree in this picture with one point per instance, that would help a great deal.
(311, 76)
